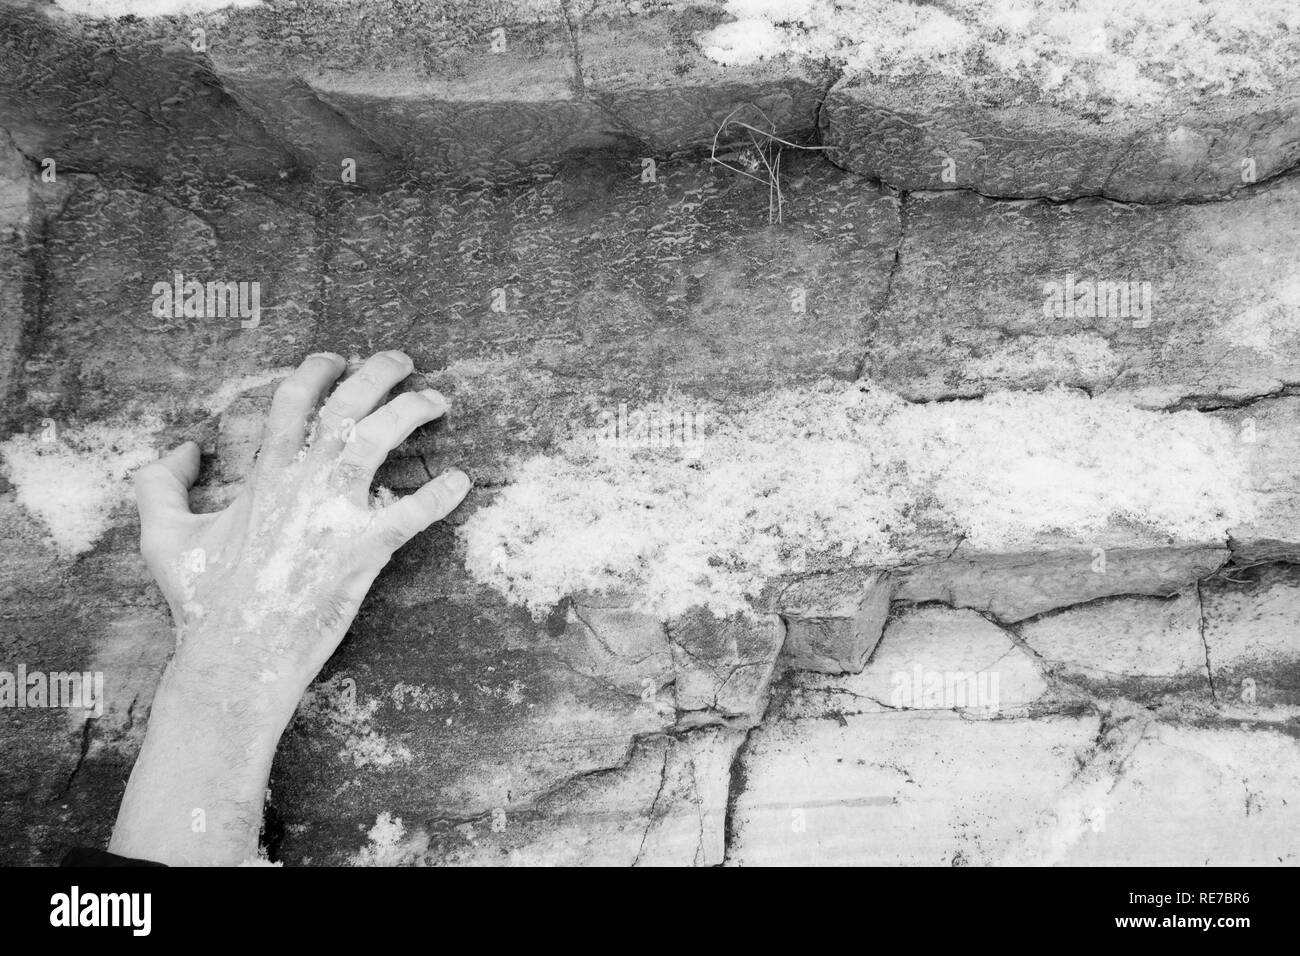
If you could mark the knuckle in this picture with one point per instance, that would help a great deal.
(293, 391)
(420, 406)
(147, 474)
(394, 359)
(151, 547)
(351, 471)
(361, 445)
(441, 501)
(331, 414)
(392, 535)
(366, 378)
(386, 421)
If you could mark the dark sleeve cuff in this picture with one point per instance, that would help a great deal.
(80, 856)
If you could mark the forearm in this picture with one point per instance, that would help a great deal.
(196, 794)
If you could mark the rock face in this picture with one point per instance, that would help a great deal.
(378, 93)
(929, 658)
(834, 622)
(723, 666)
(1080, 696)
(17, 204)
(150, 107)
(1223, 790)
(1128, 641)
(927, 790)
(923, 133)
(1252, 637)
(1014, 587)
(1170, 306)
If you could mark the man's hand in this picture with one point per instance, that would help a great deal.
(262, 593)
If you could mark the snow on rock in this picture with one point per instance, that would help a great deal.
(331, 707)
(1070, 50)
(73, 479)
(148, 8)
(390, 845)
(850, 474)
(1021, 98)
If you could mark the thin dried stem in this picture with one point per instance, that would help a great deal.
(768, 147)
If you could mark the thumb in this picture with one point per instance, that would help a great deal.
(162, 488)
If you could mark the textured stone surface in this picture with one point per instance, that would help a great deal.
(1252, 633)
(724, 665)
(1125, 637)
(1268, 439)
(966, 308)
(665, 805)
(929, 789)
(429, 89)
(518, 89)
(605, 637)
(101, 348)
(647, 74)
(613, 291)
(930, 658)
(449, 104)
(902, 131)
(607, 290)
(17, 272)
(66, 768)
(833, 622)
(1017, 586)
(457, 690)
(73, 91)
(1197, 797)
(565, 286)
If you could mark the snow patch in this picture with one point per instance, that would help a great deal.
(1129, 55)
(73, 479)
(841, 475)
(1271, 327)
(332, 706)
(103, 9)
(1085, 357)
(390, 846)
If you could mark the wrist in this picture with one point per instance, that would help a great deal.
(220, 680)
(196, 794)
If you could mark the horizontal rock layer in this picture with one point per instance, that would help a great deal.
(390, 90)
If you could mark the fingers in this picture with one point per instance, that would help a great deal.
(295, 400)
(369, 443)
(162, 492)
(403, 520)
(358, 396)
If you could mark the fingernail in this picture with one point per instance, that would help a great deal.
(399, 357)
(435, 396)
(332, 357)
(457, 481)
